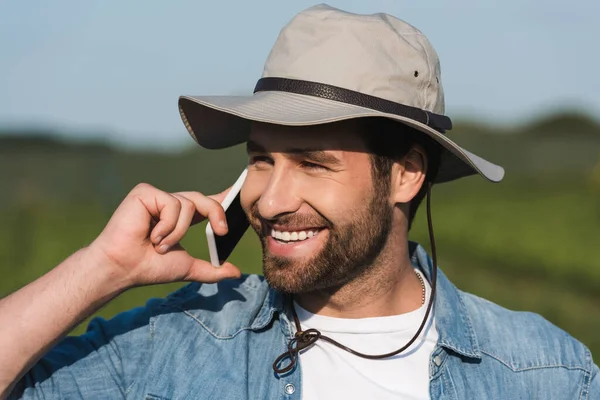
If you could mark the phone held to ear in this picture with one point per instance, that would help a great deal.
(221, 247)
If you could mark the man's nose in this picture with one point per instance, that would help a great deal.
(280, 196)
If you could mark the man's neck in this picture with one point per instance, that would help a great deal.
(388, 287)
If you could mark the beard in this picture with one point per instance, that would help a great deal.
(350, 249)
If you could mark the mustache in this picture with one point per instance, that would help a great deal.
(291, 219)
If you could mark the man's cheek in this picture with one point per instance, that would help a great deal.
(248, 199)
(333, 206)
(255, 185)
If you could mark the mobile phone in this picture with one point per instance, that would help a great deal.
(221, 247)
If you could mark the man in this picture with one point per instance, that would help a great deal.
(345, 135)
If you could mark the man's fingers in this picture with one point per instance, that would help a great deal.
(186, 213)
(176, 212)
(203, 271)
(207, 206)
(166, 209)
(219, 197)
(177, 265)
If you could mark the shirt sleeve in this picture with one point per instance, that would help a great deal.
(102, 363)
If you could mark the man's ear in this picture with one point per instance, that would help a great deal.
(409, 175)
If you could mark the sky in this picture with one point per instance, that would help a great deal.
(114, 69)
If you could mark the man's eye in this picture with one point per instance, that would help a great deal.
(260, 159)
(309, 165)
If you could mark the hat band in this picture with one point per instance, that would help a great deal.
(438, 122)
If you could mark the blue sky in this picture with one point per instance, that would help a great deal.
(116, 68)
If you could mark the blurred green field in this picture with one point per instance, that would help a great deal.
(529, 243)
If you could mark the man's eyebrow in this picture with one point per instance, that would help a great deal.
(316, 156)
(313, 155)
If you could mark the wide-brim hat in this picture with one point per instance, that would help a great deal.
(329, 65)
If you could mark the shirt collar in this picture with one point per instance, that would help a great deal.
(452, 320)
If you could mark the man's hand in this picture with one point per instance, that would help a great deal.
(141, 240)
(139, 246)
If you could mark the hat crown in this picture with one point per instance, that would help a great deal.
(377, 54)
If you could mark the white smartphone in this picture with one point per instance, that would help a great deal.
(221, 247)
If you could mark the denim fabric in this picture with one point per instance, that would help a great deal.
(219, 341)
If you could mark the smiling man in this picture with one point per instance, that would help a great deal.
(345, 134)
(302, 199)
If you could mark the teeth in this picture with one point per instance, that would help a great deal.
(292, 236)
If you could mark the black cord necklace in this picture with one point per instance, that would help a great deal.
(304, 339)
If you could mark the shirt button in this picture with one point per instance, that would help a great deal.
(437, 360)
(289, 388)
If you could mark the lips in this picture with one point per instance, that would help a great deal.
(288, 235)
(292, 235)
(293, 241)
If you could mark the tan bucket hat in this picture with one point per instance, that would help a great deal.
(329, 65)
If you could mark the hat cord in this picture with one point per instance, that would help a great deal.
(304, 339)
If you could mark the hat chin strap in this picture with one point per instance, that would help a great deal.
(305, 339)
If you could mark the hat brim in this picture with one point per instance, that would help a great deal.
(217, 122)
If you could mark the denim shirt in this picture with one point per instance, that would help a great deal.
(219, 341)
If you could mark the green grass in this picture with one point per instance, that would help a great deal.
(548, 230)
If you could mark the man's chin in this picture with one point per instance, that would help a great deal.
(289, 277)
(284, 286)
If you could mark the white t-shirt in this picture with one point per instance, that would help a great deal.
(329, 372)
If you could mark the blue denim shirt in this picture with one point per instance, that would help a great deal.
(219, 341)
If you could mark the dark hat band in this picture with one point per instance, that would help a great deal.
(439, 122)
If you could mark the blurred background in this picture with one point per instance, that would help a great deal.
(88, 94)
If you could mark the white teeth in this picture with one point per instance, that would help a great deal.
(292, 236)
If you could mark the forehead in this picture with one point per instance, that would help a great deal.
(344, 136)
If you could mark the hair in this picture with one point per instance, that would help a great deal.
(389, 141)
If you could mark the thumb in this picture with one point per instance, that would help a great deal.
(203, 271)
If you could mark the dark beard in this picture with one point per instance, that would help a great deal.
(349, 251)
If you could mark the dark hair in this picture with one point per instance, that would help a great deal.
(389, 141)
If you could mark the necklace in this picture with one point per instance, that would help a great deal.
(422, 286)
